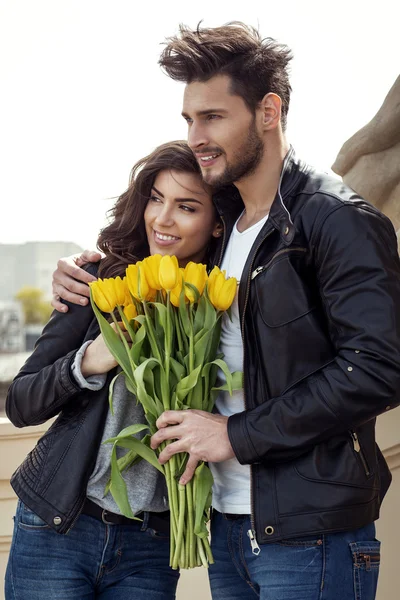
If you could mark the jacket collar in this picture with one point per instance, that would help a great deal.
(229, 203)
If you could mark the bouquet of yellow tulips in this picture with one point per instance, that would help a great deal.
(173, 319)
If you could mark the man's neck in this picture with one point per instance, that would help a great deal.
(258, 190)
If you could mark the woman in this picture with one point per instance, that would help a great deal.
(69, 540)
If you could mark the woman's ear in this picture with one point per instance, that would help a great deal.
(218, 229)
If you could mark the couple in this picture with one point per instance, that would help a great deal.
(315, 326)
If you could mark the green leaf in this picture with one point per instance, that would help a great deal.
(127, 432)
(127, 324)
(201, 347)
(118, 487)
(203, 485)
(111, 391)
(142, 450)
(198, 324)
(195, 291)
(149, 404)
(236, 383)
(136, 347)
(112, 340)
(178, 369)
(184, 315)
(187, 383)
(162, 314)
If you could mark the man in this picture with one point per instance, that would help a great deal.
(316, 325)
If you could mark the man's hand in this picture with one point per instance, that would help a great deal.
(67, 278)
(203, 435)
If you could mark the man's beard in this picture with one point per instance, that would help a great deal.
(245, 161)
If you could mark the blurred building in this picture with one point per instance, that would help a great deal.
(12, 335)
(30, 264)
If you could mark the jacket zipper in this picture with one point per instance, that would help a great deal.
(223, 242)
(284, 251)
(76, 517)
(251, 532)
(357, 448)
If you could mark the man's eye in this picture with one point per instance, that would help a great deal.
(212, 117)
(188, 120)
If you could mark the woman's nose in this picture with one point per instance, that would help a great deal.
(165, 216)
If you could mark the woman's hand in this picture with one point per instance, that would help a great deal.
(97, 358)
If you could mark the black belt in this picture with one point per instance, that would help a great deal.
(158, 521)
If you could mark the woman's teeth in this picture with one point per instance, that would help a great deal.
(166, 238)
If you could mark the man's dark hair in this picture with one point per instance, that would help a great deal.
(255, 65)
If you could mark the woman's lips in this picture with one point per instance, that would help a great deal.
(165, 239)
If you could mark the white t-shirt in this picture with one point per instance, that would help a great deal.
(231, 491)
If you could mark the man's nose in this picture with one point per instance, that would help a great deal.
(197, 136)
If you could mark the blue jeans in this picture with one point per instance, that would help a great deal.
(337, 566)
(94, 560)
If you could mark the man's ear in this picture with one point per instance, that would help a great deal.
(270, 107)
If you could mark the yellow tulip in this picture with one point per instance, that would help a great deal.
(221, 291)
(151, 266)
(103, 295)
(169, 270)
(120, 290)
(176, 291)
(195, 274)
(127, 299)
(130, 312)
(137, 282)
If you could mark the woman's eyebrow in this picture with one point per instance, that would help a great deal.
(179, 199)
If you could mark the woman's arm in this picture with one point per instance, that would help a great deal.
(45, 382)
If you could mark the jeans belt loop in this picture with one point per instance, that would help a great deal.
(145, 522)
(104, 517)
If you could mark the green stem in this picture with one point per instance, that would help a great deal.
(123, 339)
(181, 524)
(152, 336)
(201, 552)
(190, 528)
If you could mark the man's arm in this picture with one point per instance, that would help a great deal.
(70, 281)
(358, 270)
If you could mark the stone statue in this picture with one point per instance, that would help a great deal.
(369, 162)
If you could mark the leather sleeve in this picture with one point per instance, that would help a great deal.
(358, 271)
(45, 384)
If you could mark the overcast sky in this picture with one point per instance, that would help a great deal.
(82, 97)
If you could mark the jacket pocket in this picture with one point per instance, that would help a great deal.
(282, 295)
(359, 452)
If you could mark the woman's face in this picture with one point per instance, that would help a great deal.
(180, 217)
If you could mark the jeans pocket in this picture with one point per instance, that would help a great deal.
(302, 542)
(29, 521)
(366, 561)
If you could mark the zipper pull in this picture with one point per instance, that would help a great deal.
(256, 272)
(255, 548)
(367, 559)
(356, 443)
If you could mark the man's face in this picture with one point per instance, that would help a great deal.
(222, 131)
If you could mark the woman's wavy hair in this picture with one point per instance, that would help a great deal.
(124, 240)
(255, 65)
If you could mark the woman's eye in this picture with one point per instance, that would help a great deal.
(154, 199)
(187, 208)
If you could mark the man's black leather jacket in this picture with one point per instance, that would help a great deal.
(320, 312)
